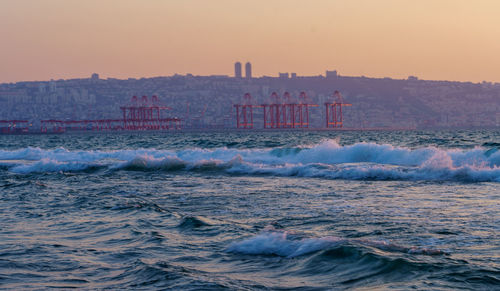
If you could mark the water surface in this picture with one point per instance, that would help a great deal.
(259, 210)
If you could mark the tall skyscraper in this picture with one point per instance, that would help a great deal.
(248, 70)
(237, 70)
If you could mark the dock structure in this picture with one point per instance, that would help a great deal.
(244, 112)
(334, 114)
(139, 115)
(288, 112)
(146, 114)
(14, 126)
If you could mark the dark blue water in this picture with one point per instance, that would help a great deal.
(268, 210)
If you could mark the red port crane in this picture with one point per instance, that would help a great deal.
(334, 114)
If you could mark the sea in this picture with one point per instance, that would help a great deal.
(251, 210)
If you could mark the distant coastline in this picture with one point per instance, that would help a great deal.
(206, 101)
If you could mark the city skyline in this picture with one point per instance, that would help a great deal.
(434, 40)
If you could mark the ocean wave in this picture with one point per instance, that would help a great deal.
(290, 245)
(327, 159)
(193, 222)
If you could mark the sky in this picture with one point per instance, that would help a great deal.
(432, 39)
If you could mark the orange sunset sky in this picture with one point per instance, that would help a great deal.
(436, 40)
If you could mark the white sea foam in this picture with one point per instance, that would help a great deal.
(282, 244)
(324, 160)
(285, 244)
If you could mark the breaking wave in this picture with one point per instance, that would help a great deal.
(327, 159)
(290, 245)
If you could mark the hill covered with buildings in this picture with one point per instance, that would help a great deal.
(207, 101)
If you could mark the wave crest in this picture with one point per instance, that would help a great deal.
(286, 244)
(327, 159)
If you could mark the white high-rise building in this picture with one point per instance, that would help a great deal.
(237, 70)
(248, 70)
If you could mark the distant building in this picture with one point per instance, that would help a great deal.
(331, 74)
(283, 75)
(237, 70)
(412, 78)
(41, 87)
(248, 70)
(294, 75)
(52, 86)
(94, 77)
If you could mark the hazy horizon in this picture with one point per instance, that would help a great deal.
(433, 40)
